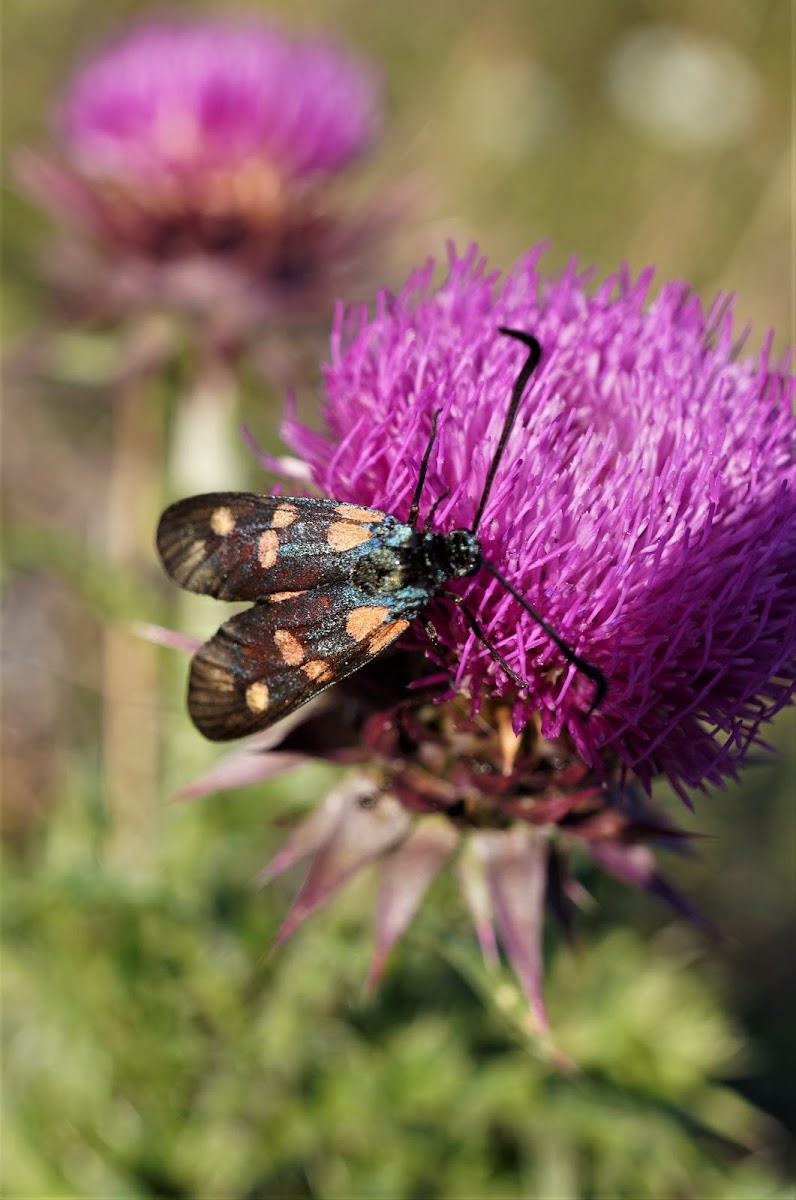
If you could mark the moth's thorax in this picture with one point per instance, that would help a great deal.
(400, 558)
(380, 567)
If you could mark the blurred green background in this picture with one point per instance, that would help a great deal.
(153, 1047)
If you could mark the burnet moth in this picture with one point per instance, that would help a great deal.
(333, 585)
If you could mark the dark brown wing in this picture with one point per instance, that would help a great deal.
(265, 662)
(239, 546)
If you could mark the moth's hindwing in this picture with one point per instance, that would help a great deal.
(265, 662)
(239, 546)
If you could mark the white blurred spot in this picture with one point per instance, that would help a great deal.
(687, 90)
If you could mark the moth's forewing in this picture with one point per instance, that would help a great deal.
(239, 546)
(265, 662)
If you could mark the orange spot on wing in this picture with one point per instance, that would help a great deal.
(257, 697)
(362, 622)
(344, 535)
(268, 549)
(222, 521)
(278, 597)
(318, 670)
(290, 647)
(283, 516)
(387, 634)
(352, 512)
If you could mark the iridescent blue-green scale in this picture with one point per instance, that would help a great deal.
(405, 567)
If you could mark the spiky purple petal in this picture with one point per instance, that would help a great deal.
(636, 865)
(474, 889)
(310, 835)
(362, 833)
(515, 866)
(405, 877)
(241, 769)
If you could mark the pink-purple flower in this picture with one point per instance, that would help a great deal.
(173, 101)
(645, 506)
(213, 143)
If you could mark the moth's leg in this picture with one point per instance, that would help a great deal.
(472, 621)
(431, 634)
(576, 660)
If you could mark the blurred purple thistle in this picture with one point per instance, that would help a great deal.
(199, 156)
(172, 101)
(645, 506)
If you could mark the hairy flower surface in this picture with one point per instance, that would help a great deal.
(216, 139)
(644, 506)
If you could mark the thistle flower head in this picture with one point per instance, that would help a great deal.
(214, 142)
(172, 102)
(645, 506)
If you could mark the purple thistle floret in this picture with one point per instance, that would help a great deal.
(173, 98)
(645, 504)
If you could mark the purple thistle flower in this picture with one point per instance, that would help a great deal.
(217, 141)
(645, 506)
(172, 101)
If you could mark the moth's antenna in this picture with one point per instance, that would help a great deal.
(421, 479)
(531, 363)
(520, 383)
(582, 664)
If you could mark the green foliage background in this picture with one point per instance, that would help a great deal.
(153, 1045)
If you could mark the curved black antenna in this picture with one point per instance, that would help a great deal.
(421, 479)
(531, 363)
(582, 664)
